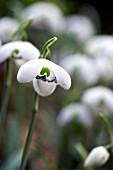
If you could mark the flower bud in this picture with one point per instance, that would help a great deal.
(97, 157)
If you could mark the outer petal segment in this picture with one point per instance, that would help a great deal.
(63, 78)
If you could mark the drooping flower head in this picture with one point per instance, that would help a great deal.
(82, 66)
(45, 15)
(73, 112)
(21, 51)
(100, 45)
(8, 26)
(45, 75)
(99, 99)
(80, 26)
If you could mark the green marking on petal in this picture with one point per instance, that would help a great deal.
(45, 70)
(16, 51)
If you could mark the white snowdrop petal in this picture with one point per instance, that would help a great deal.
(28, 71)
(31, 69)
(26, 50)
(63, 78)
(43, 88)
(97, 157)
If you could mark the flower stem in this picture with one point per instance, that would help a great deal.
(107, 124)
(30, 132)
(5, 95)
(81, 150)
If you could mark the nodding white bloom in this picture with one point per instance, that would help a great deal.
(8, 26)
(100, 45)
(99, 99)
(97, 157)
(80, 26)
(75, 111)
(82, 66)
(104, 67)
(45, 15)
(45, 75)
(20, 51)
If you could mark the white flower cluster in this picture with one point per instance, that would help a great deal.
(49, 16)
(45, 74)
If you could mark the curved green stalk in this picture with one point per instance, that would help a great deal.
(30, 132)
(5, 95)
(107, 124)
(45, 51)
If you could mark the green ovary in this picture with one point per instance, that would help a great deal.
(45, 70)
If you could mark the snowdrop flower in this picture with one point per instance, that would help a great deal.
(104, 68)
(82, 66)
(21, 51)
(73, 111)
(100, 45)
(97, 157)
(8, 26)
(45, 15)
(99, 99)
(80, 26)
(45, 75)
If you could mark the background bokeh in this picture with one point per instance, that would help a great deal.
(68, 122)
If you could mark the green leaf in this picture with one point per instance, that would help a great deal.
(13, 162)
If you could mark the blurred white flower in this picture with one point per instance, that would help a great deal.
(45, 15)
(99, 99)
(100, 45)
(104, 68)
(80, 26)
(97, 157)
(8, 26)
(21, 51)
(81, 66)
(45, 75)
(75, 111)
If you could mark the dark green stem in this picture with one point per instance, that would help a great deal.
(5, 95)
(30, 132)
